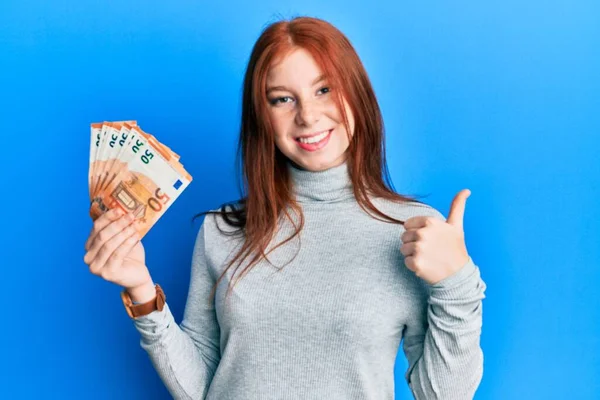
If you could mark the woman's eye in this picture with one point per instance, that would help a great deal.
(325, 90)
(278, 100)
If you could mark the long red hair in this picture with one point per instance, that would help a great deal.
(266, 181)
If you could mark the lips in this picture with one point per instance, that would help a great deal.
(315, 146)
(311, 135)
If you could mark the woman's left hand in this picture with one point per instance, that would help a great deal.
(435, 249)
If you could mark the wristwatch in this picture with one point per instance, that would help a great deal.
(139, 310)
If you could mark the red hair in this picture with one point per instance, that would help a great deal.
(267, 183)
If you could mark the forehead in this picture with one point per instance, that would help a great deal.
(297, 66)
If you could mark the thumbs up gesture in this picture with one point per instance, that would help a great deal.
(434, 249)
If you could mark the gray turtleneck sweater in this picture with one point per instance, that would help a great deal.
(330, 323)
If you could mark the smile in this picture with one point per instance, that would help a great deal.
(314, 142)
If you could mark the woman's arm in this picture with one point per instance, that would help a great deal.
(185, 356)
(442, 344)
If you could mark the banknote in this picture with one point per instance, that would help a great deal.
(130, 169)
(97, 145)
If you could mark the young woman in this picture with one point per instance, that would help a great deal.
(305, 288)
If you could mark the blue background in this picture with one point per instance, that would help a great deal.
(499, 97)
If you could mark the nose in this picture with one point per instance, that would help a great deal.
(308, 114)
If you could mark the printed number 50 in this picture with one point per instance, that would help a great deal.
(147, 156)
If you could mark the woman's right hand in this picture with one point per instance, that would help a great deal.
(115, 253)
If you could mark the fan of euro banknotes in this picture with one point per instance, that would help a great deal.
(131, 169)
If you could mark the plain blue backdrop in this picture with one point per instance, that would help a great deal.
(499, 97)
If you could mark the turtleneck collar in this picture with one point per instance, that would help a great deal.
(328, 186)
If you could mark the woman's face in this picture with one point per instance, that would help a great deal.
(301, 104)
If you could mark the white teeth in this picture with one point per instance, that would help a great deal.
(314, 139)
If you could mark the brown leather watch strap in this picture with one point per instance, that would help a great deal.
(139, 310)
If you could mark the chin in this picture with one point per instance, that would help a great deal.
(318, 165)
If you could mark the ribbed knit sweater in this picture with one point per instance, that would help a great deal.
(329, 324)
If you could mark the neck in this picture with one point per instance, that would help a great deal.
(327, 186)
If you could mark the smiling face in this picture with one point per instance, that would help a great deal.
(309, 128)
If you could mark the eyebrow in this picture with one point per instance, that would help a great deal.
(283, 88)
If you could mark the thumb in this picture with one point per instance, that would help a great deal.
(457, 208)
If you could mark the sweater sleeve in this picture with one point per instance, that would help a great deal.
(185, 356)
(442, 344)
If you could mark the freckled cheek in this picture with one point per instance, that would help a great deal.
(278, 121)
(334, 114)
(287, 122)
(284, 130)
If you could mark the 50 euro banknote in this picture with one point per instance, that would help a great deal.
(132, 170)
(108, 142)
